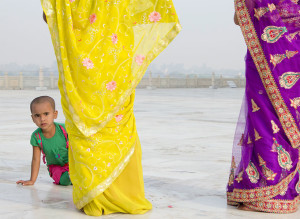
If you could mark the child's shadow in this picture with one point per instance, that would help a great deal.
(44, 196)
(58, 197)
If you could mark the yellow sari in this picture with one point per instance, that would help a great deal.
(103, 48)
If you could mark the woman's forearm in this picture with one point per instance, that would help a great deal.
(44, 17)
(236, 21)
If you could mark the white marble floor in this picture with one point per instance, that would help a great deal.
(186, 136)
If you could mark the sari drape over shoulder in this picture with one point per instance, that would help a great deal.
(265, 164)
(103, 49)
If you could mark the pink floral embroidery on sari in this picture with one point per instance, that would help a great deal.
(154, 16)
(139, 59)
(88, 63)
(111, 85)
(114, 38)
(93, 18)
(119, 118)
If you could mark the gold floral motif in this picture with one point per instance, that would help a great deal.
(289, 79)
(241, 140)
(284, 158)
(290, 54)
(239, 177)
(271, 7)
(255, 108)
(275, 127)
(233, 165)
(272, 33)
(269, 174)
(252, 173)
(231, 176)
(278, 58)
(295, 1)
(292, 36)
(295, 102)
(291, 19)
(249, 140)
(259, 12)
(257, 136)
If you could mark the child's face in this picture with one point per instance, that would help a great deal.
(43, 115)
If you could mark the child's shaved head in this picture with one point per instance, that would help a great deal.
(43, 99)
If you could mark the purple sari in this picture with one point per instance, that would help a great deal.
(265, 165)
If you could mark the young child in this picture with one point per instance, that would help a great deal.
(51, 140)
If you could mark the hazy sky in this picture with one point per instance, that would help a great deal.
(209, 35)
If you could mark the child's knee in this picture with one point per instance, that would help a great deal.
(65, 179)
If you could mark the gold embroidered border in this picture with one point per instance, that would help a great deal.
(275, 206)
(254, 46)
(259, 194)
(106, 183)
(272, 206)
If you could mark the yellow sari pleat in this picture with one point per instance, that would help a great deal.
(103, 49)
(125, 194)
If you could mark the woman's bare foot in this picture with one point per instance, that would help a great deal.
(244, 208)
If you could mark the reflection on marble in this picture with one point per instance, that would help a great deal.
(186, 136)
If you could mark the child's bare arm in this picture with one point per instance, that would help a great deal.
(35, 167)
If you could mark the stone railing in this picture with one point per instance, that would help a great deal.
(42, 82)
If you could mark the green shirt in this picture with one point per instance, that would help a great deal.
(54, 148)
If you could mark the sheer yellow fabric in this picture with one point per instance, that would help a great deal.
(103, 49)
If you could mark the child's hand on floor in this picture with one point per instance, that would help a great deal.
(25, 183)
